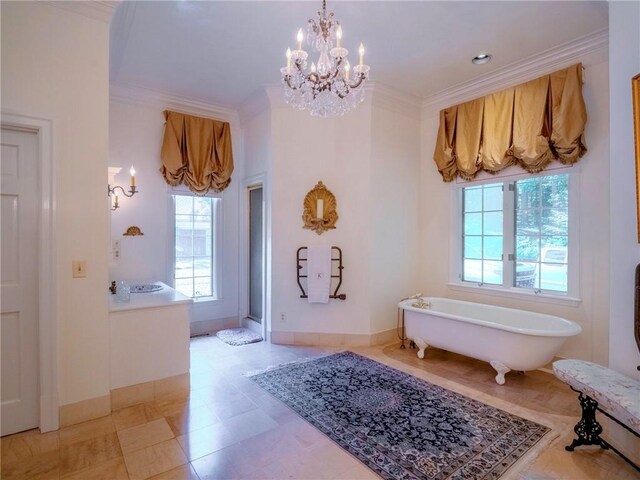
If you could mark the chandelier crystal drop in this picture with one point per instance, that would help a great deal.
(330, 85)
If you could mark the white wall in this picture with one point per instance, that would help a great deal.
(135, 138)
(306, 150)
(393, 210)
(624, 58)
(55, 66)
(436, 202)
(369, 159)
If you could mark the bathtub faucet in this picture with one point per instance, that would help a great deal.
(421, 304)
(412, 297)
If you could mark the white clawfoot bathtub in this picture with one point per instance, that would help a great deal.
(508, 339)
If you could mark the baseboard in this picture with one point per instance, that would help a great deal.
(204, 327)
(333, 339)
(84, 410)
(252, 325)
(170, 387)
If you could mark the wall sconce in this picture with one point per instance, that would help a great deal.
(132, 190)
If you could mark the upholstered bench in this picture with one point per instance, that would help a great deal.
(605, 390)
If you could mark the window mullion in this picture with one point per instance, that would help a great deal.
(509, 233)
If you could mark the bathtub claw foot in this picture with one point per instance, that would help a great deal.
(502, 369)
(422, 345)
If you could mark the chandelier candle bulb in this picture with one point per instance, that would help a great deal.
(347, 69)
(115, 203)
(361, 52)
(338, 35)
(132, 171)
(300, 37)
(288, 61)
(313, 67)
(320, 209)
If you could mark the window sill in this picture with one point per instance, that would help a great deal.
(205, 301)
(516, 293)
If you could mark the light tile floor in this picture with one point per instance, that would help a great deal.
(228, 428)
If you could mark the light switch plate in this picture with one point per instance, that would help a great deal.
(79, 268)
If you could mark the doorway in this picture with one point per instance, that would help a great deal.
(19, 279)
(256, 253)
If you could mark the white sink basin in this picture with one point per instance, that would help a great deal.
(146, 288)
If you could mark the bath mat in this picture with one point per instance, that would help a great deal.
(238, 336)
(398, 425)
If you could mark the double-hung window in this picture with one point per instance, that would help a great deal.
(516, 235)
(196, 245)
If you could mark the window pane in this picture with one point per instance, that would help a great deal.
(202, 287)
(473, 224)
(202, 267)
(185, 286)
(473, 247)
(194, 263)
(493, 248)
(542, 229)
(528, 222)
(184, 204)
(473, 199)
(202, 206)
(492, 272)
(526, 275)
(553, 277)
(472, 271)
(492, 223)
(201, 226)
(184, 246)
(492, 197)
(528, 193)
(184, 267)
(555, 191)
(555, 221)
(527, 248)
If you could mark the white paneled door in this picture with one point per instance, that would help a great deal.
(19, 193)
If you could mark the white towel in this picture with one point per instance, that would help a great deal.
(318, 274)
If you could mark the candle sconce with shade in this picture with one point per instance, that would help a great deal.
(132, 190)
(320, 212)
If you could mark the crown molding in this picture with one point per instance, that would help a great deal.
(101, 10)
(131, 94)
(388, 98)
(591, 48)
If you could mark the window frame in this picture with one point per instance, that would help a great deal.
(216, 249)
(572, 296)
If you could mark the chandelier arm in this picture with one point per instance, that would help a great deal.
(361, 78)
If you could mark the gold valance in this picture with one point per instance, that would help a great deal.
(529, 125)
(196, 152)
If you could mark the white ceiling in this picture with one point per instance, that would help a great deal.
(221, 52)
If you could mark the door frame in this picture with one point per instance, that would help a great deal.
(47, 314)
(254, 181)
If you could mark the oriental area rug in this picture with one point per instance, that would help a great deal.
(401, 427)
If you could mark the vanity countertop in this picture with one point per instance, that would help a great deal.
(162, 298)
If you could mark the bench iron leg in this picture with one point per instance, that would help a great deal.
(587, 429)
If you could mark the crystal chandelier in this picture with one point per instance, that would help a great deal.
(330, 87)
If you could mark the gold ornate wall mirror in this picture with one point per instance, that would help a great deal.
(319, 209)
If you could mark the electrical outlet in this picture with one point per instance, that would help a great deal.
(79, 268)
(283, 317)
(116, 254)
